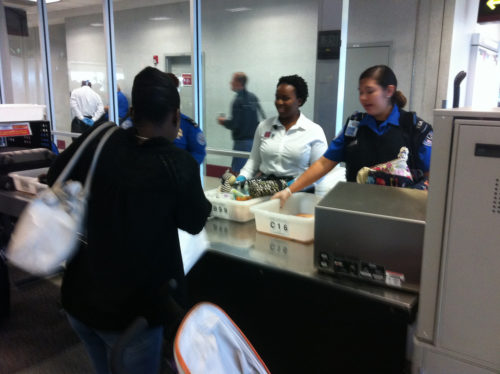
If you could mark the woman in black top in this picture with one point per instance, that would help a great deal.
(144, 189)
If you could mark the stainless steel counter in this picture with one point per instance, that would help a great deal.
(241, 240)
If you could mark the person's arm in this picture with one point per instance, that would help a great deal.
(100, 108)
(193, 208)
(73, 103)
(236, 110)
(311, 175)
(253, 164)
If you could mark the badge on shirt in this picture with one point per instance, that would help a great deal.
(267, 134)
(428, 139)
(352, 128)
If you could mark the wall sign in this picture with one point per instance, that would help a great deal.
(187, 79)
(489, 11)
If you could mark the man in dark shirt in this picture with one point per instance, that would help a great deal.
(244, 119)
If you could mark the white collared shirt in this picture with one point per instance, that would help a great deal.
(285, 153)
(85, 101)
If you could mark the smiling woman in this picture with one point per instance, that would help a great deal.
(286, 145)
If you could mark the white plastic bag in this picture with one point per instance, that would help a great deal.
(192, 247)
(49, 229)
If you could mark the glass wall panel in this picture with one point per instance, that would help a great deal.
(22, 65)
(265, 39)
(78, 54)
(158, 34)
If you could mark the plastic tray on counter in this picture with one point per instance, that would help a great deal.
(233, 210)
(27, 180)
(285, 222)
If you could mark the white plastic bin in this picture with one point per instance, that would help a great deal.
(233, 210)
(21, 112)
(27, 180)
(285, 222)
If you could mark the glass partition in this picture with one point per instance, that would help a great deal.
(265, 39)
(154, 33)
(78, 61)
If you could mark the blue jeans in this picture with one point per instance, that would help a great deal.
(241, 145)
(143, 355)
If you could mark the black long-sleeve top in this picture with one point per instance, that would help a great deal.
(140, 195)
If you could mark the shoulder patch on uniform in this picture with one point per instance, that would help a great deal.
(200, 138)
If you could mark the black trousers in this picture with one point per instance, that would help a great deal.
(79, 126)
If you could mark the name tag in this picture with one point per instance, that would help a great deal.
(352, 128)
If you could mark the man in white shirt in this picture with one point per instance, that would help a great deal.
(86, 107)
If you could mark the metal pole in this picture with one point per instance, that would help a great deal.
(43, 30)
(109, 33)
(195, 12)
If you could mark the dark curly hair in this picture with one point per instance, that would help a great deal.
(298, 83)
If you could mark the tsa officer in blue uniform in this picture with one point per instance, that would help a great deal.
(190, 137)
(375, 136)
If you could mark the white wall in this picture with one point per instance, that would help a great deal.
(387, 21)
(465, 24)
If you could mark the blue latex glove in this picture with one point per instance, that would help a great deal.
(240, 178)
(88, 121)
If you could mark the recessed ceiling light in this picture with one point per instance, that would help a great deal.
(160, 18)
(47, 1)
(96, 24)
(242, 9)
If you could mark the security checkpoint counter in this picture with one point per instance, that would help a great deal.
(298, 320)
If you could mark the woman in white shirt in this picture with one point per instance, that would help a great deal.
(286, 145)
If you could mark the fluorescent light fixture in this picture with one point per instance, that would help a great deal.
(241, 9)
(160, 18)
(96, 24)
(47, 1)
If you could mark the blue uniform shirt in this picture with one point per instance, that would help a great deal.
(335, 151)
(191, 138)
(122, 105)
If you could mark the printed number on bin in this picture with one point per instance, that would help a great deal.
(279, 227)
(220, 210)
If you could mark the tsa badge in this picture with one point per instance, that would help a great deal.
(352, 128)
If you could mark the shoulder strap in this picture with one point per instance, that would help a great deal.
(71, 164)
(417, 129)
(90, 172)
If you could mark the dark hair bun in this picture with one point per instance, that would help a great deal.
(399, 99)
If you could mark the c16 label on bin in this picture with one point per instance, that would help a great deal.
(279, 227)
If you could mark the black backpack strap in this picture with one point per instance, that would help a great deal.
(417, 130)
